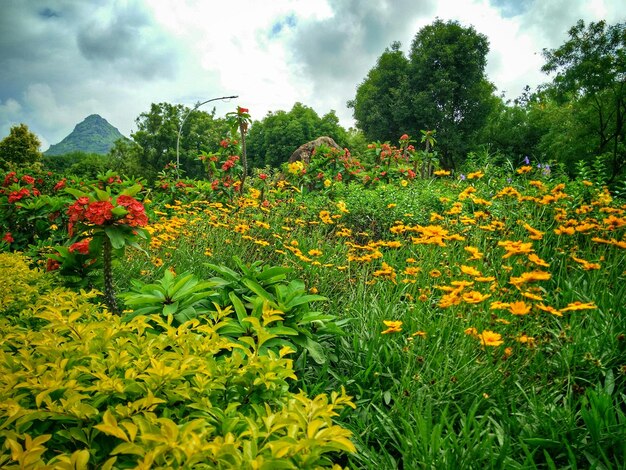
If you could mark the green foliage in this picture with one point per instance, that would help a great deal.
(20, 147)
(590, 68)
(441, 86)
(85, 389)
(272, 140)
(157, 134)
(182, 297)
(378, 97)
(94, 135)
(260, 294)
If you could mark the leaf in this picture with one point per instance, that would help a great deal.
(257, 289)
(315, 350)
(170, 309)
(240, 309)
(116, 236)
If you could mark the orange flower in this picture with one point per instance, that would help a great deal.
(519, 308)
(475, 297)
(578, 306)
(393, 327)
(489, 338)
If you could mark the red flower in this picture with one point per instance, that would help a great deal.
(263, 176)
(17, 195)
(215, 184)
(224, 143)
(8, 238)
(82, 247)
(241, 110)
(60, 185)
(99, 212)
(52, 265)
(9, 178)
(136, 216)
(28, 179)
(404, 137)
(77, 210)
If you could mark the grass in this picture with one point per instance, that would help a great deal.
(552, 395)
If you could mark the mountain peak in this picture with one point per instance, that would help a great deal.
(93, 134)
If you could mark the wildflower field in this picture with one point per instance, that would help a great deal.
(369, 312)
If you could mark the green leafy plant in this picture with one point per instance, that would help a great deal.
(265, 294)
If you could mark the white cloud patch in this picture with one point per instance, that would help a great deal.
(61, 60)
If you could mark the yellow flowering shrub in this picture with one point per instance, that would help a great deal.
(20, 284)
(87, 390)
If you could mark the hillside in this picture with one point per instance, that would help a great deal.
(93, 135)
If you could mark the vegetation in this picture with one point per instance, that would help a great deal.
(20, 147)
(364, 309)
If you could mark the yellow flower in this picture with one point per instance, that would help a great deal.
(315, 252)
(489, 338)
(470, 270)
(524, 169)
(295, 167)
(404, 183)
(475, 297)
(476, 174)
(578, 306)
(519, 308)
(392, 327)
(327, 183)
(441, 173)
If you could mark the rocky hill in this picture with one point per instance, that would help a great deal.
(93, 135)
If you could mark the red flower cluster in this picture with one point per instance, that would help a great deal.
(224, 143)
(60, 185)
(28, 179)
(263, 176)
(17, 195)
(52, 265)
(8, 237)
(136, 216)
(100, 212)
(82, 247)
(228, 164)
(9, 179)
(241, 110)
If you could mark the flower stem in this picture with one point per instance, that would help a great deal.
(109, 291)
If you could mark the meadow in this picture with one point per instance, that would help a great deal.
(345, 313)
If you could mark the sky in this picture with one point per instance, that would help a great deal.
(62, 60)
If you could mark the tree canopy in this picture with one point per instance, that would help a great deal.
(272, 140)
(590, 78)
(157, 133)
(441, 86)
(20, 147)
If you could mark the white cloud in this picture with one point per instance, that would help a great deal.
(61, 61)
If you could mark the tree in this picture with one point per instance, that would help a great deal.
(441, 86)
(272, 140)
(157, 133)
(377, 101)
(447, 86)
(20, 147)
(590, 75)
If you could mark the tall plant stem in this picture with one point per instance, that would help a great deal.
(109, 291)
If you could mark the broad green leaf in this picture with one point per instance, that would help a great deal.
(116, 236)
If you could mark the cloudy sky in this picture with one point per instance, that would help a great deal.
(61, 60)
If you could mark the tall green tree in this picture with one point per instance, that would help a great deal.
(590, 78)
(441, 86)
(272, 140)
(380, 97)
(448, 88)
(157, 133)
(20, 147)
